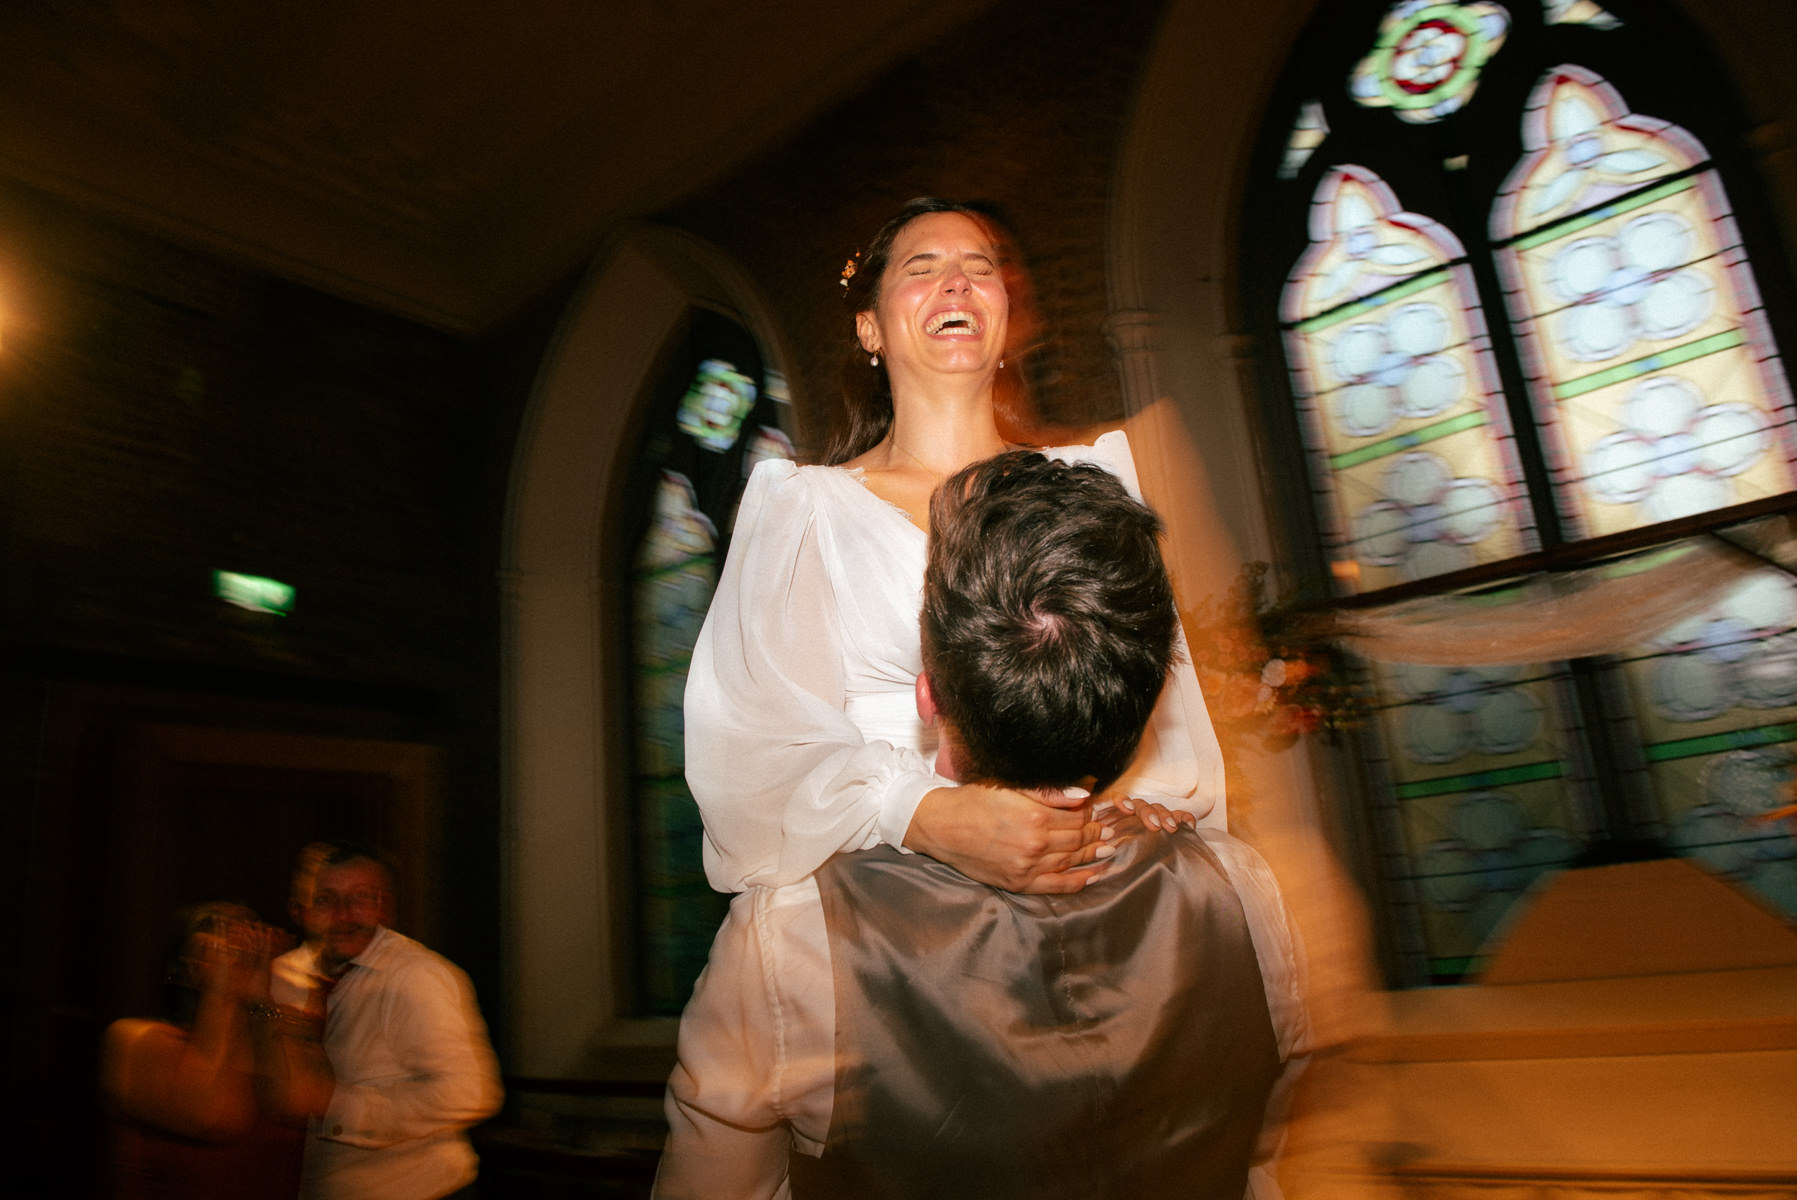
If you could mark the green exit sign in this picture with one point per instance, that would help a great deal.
(253, 592)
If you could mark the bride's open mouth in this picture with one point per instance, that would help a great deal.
(952, 321)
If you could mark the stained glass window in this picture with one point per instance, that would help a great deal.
(1488, 790)
(1426, 61)
(676, 572)
(1405, 418)
(712, 411)
(710, 423)
(1517, 314)
(1307, 134)
(1716, 702)
(1646, 351)
(1579, 12)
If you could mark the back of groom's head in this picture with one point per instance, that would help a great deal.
(1048, 620)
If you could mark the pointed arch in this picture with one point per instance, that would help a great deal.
(565, 599)
(1650, 366)
(1408, 435)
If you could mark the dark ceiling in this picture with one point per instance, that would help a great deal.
(449, 161)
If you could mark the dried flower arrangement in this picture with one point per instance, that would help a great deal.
(1269, 672)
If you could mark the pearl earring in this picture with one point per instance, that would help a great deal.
(1001, 364)
(874, 361)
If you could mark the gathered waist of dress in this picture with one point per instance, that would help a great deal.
(891, 716)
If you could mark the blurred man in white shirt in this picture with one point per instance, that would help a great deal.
(404, 1035)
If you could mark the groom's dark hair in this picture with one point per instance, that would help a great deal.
(1048, 620)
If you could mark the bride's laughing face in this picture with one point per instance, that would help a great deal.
(942, 306)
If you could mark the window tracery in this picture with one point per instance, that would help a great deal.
(1517, 315)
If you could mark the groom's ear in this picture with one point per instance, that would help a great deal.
(926, 702)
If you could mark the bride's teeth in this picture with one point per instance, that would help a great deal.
(941, 320)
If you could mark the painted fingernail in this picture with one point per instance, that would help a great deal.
(1106, 834)
(1105, 850)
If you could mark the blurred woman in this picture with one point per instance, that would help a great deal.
(210, 1100)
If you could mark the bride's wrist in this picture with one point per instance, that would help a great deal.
(921, 834)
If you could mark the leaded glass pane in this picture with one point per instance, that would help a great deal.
(1409, 437)
(1426, 58)
(1583, 148)
(1647, 355)
(1308, 133)
(766, 442)
(712, 411)
(1482, 794)
(709, 424)
(1578, 12)
(1715, 698)
(676, 573)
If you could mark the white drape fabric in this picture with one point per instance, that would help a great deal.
(1573, 614)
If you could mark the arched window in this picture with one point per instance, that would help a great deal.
(594, 948)
(1526, 364)
(715, 413)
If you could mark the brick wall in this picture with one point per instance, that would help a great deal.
(164, 415)
(1024, 107)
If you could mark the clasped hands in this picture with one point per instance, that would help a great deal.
(233, 958)
(1038, 843)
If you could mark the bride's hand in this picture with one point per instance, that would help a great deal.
(1010, 839)
(1156, 816)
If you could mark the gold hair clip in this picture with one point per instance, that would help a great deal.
(848, 268)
